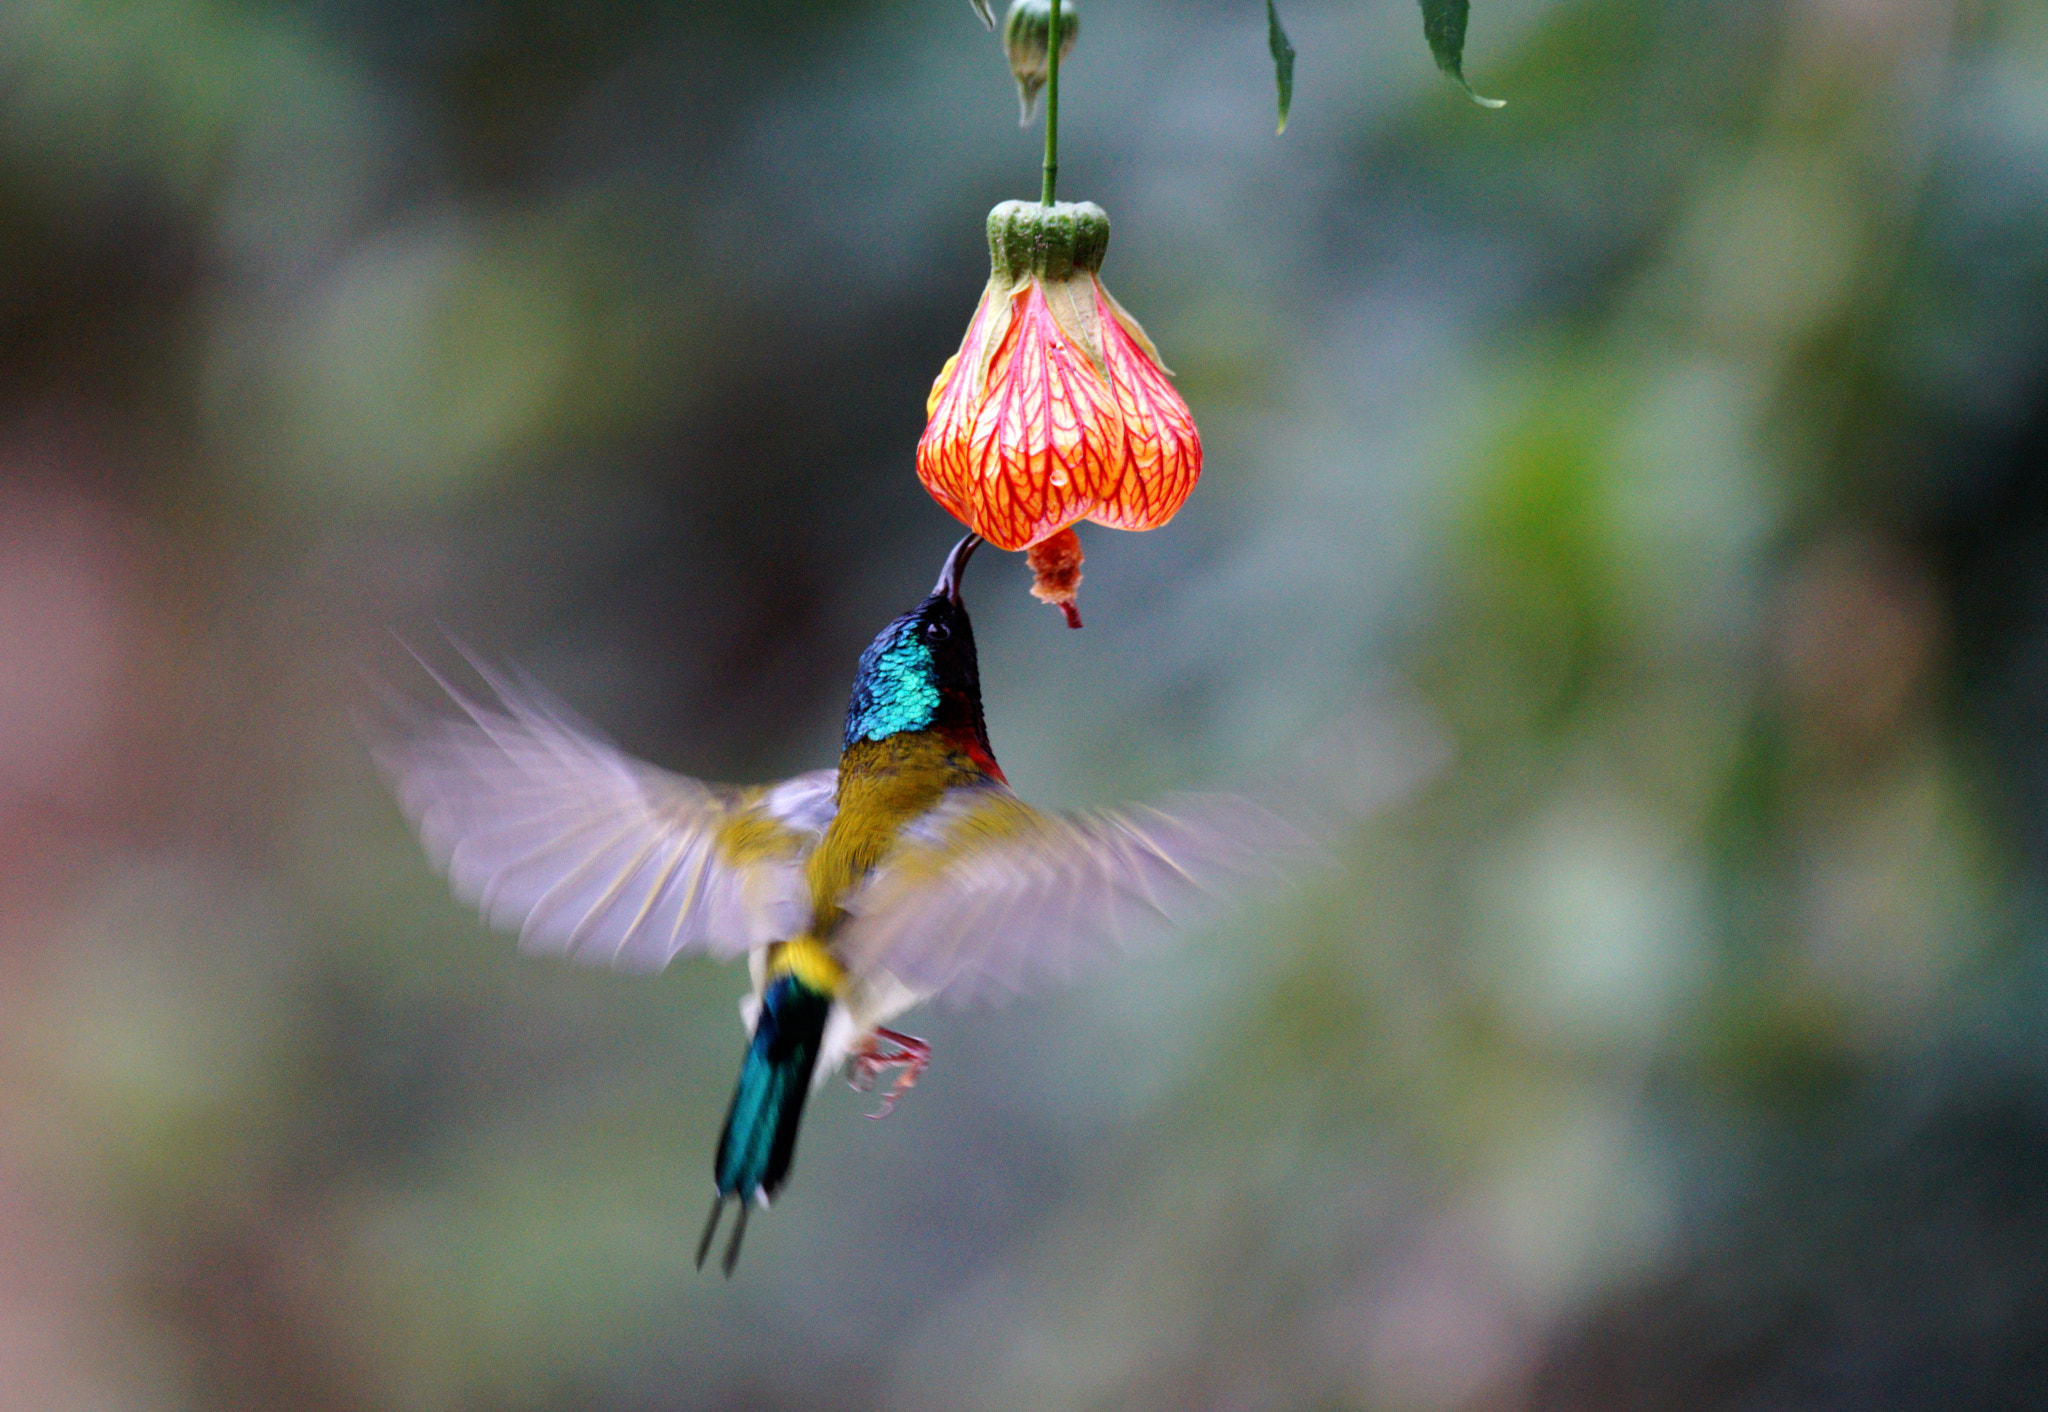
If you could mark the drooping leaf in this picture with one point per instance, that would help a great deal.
(1283, 62)
(1443, 25)
(981, 8)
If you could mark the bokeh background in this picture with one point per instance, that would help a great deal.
(1664, 453)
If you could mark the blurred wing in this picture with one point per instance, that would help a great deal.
(989, 897)
(589, 853)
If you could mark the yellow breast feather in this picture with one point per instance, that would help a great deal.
(884, 786)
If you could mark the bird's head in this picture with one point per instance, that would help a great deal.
(920, 672)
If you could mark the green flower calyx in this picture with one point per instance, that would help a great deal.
(1027, 239)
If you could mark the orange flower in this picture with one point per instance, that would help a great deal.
(1056, 408)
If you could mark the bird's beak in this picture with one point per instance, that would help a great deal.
(956, 564)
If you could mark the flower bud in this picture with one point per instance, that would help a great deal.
(1026, 38)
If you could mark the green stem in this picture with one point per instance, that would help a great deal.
(1052, 101)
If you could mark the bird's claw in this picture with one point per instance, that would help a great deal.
(884, 1050)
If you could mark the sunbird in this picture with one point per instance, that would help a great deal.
(908, 870)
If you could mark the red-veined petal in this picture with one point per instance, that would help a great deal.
(1162, 452)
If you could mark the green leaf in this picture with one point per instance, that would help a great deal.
(1283, 62)
(987, 15)
(1443, 25)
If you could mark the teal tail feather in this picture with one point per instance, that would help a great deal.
(759, 1140)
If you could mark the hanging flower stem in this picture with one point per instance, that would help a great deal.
(1052, 102)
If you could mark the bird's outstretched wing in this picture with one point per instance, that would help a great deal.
(989, 897)
(545, 827)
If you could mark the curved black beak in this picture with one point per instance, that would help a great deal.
(956, 564)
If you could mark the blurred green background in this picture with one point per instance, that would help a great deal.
(1670, 444)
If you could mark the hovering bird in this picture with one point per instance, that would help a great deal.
(909, 870)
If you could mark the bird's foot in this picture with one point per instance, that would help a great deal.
(884, 1050)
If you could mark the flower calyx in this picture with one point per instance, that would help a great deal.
(1028, 240)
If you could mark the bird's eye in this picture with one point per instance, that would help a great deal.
(936, 632)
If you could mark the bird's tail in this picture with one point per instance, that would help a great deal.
(759, 1140)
